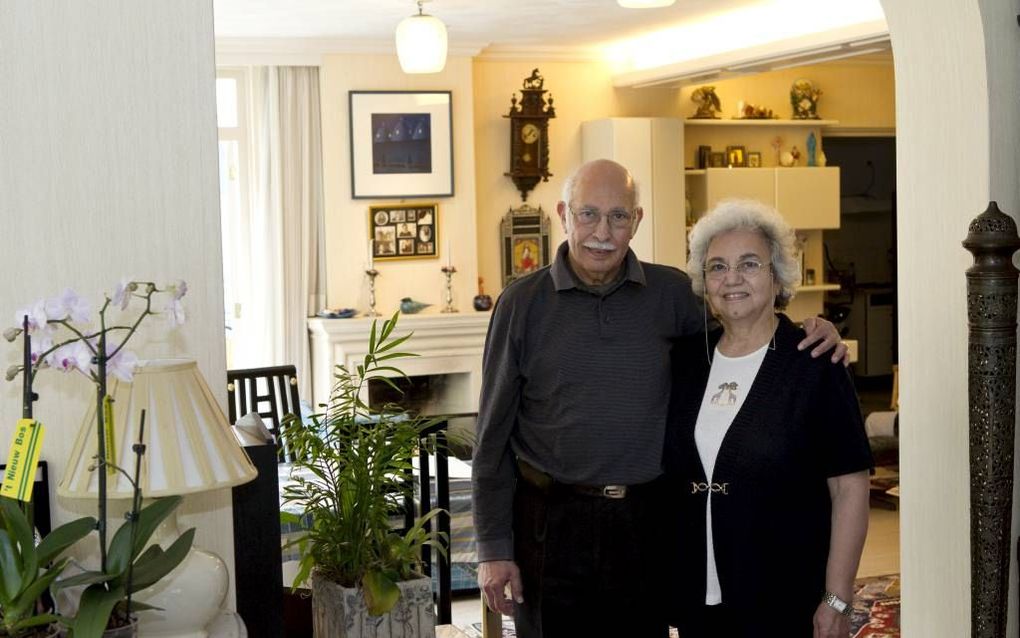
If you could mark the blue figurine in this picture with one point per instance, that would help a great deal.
(409, 306)
(812, 157)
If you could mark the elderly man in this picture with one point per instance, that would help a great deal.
(570, 432)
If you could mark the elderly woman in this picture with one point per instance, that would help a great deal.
(766, 447)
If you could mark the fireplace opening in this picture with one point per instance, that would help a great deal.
(430, 394)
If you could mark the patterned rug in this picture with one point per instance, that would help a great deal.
(876, 608)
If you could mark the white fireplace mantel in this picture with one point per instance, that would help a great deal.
(444, 343)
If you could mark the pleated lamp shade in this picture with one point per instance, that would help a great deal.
(189, 445)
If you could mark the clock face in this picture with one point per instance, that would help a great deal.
(529, 133)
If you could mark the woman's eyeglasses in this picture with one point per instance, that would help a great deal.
(748, 268)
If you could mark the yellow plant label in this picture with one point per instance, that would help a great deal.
(19, 476)
(111, 447)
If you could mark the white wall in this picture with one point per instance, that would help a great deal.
(347, 218)
(956, 68)
(108, 168)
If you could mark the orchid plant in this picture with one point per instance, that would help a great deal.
(59, 335)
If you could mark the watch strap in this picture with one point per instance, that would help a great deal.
(837, 603)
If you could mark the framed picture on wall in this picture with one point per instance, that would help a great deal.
(401, 144)
(403, 231)
(754, 159)
(525, 248)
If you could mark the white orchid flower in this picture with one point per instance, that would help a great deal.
(40, 344)
(69, 305)
(122, 365)
(36, 316)
(122, 293)
(174, 311)
(178, 289)
(73, 356)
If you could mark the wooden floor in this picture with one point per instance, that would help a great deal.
(881, 556)
(882, 547)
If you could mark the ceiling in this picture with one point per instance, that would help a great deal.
(693, 40)
(472, 23)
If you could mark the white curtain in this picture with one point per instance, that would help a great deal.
(287, 266)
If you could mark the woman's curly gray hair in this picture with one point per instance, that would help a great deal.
(734, 214)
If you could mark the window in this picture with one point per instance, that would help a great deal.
(233, 117)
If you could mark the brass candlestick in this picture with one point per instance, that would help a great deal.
(371, 273)
(448, 272)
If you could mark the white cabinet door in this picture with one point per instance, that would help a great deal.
(652, 149)
(808, 197)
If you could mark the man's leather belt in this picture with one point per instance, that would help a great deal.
(548, 485)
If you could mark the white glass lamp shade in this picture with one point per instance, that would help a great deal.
(421, 44)
(188, 444)
(644, 4)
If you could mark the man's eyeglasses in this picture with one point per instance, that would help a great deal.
(618, 218)
(748, 268)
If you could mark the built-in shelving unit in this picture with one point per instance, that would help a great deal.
(736, 122)
(808, 197)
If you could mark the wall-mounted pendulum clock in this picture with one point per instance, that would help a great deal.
(529, 135)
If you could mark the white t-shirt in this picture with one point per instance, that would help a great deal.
(728, 383)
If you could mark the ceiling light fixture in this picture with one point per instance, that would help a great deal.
(644, 4)
(421, 43)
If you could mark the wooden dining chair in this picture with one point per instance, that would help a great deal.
(271, 392)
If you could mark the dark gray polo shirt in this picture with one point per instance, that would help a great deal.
(576, 384)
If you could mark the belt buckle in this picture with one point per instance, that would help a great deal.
(614, 491)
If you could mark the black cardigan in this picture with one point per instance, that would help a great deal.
(800, 424)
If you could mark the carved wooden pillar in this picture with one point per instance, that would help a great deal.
(991, 313)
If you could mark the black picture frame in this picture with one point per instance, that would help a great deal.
(404, 231)
(401, 144)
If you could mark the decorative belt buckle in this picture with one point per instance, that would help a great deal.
(614, 491)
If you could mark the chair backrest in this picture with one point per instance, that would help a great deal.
(434, 441)
(271, 392)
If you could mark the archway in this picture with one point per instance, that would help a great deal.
(957, 63)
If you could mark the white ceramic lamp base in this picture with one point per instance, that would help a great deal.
(191, 596)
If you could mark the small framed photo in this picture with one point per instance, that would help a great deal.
(403, 231)
(735, 156)
(703, 156)
(717, 160)
(754, 159)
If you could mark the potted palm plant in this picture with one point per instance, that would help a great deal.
(350, 476)
(27, 570)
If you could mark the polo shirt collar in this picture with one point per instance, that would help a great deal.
(565, 279)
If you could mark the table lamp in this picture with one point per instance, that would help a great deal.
(189, 448)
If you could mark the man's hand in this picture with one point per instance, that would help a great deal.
(823, 333)
(493, 577)
(829, 623)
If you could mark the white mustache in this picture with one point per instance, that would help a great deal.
(599, 245)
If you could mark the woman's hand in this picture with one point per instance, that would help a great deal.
(829, 623)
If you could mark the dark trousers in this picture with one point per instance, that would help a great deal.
(727, 621)
(709, 621)
(591, 566)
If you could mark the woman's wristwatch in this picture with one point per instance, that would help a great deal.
(837, 603)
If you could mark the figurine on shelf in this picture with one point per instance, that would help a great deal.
(777, 146)
(409, 306)
(482, 301)
(795, 155)
(708, 103)
(812, 157)
(752, 112)
(804, 100)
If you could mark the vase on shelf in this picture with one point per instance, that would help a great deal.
(482, 301)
